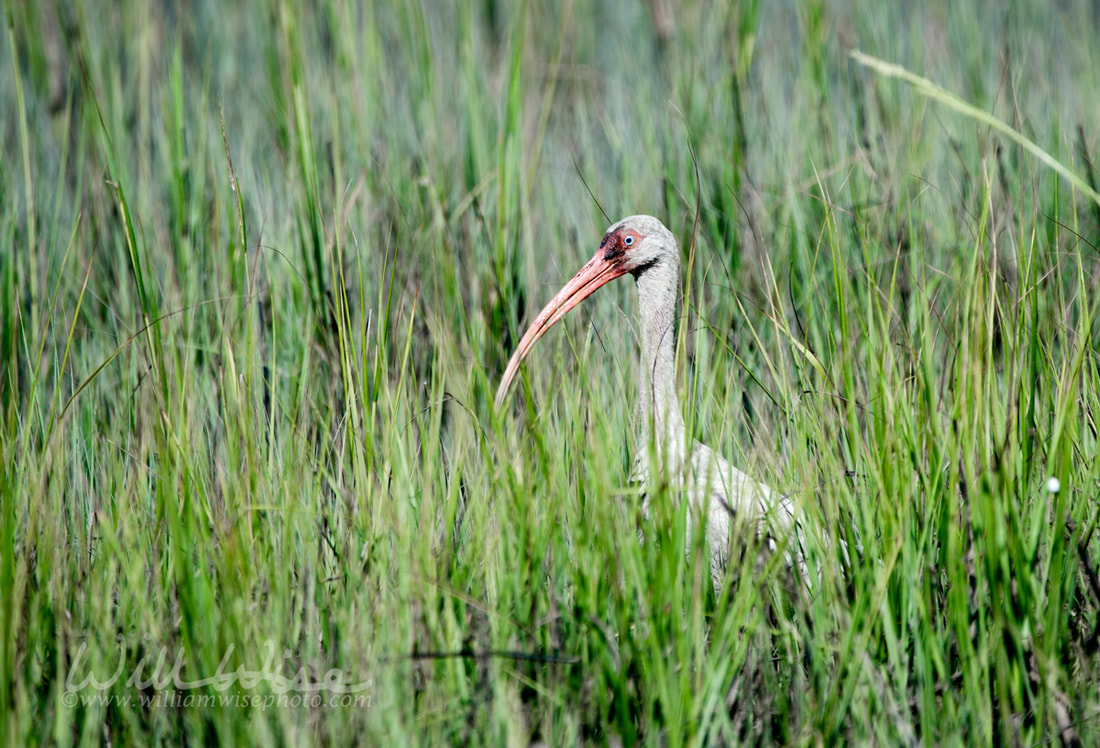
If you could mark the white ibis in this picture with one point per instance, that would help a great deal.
(722, 495)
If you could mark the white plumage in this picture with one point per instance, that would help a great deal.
(719, 493)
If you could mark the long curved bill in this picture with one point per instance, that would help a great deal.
(588, 279)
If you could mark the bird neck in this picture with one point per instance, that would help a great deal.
(659, 413)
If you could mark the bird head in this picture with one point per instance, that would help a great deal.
(633, 245)
(637, 243)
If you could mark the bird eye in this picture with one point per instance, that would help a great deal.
(628, 241)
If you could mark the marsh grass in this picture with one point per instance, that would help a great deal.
(263, 266)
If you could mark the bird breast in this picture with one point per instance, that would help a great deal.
(725, 499)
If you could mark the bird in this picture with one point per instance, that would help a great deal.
(720, 496)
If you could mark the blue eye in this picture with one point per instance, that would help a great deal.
(628, 241)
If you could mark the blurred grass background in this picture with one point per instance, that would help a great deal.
(262, 265)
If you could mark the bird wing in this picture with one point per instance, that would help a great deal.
(728, 495)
